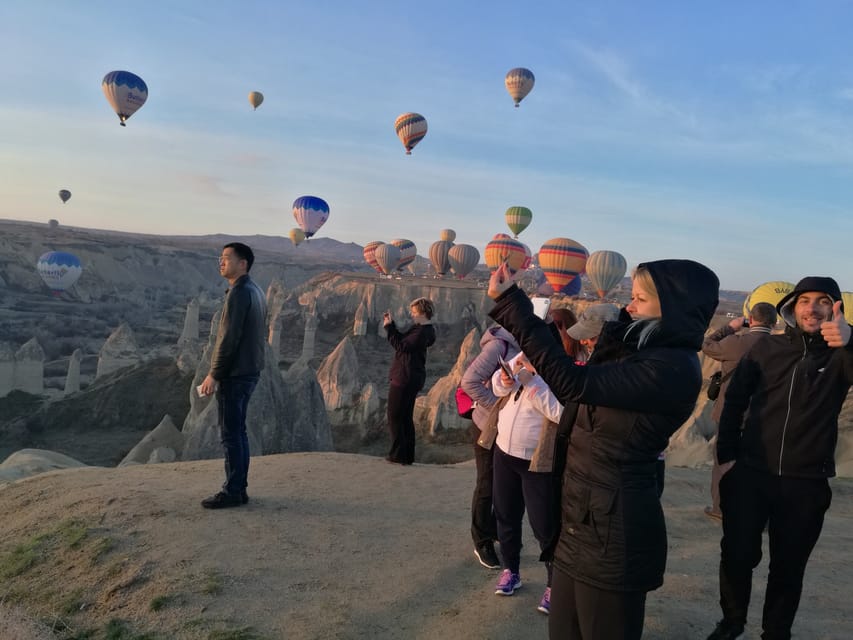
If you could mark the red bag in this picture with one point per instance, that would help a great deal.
(464, 404)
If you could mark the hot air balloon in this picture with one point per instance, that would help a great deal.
(64, 195)
(410, 128)
(438, 256)
(503, 248)
(310, 213)
(463, 259)
(126, 92)
(387, 257)
(369, 254)
(519, 82)
(605, 269)
(255, 99)
(296, 236)
(771, 292)
(59, 270)
(562, 260)
(517, 219)
(408, 251)
(448, 235)
(573, 288)
(847, 299)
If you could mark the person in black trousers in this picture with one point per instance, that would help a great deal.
(776, 449)
(407, 376)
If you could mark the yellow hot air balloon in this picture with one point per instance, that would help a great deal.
(502, 248)
(296, 235)
(771, 292)
(605, 269)
(562, 260)
(255, 99)
(448, 235)
(847, 299)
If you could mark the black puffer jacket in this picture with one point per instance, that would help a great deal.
(613, 534)
(410, 347)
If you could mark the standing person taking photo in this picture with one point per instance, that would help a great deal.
(407, 376)
(612, 545)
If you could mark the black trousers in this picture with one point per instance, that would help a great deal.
(401, 424)
(583, 612)
(483, 526)
(794, 508)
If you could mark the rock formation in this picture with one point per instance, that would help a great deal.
(436, 411)
(7, 368)
(29, 368)
(189, 344)
(359, 325)
(190, 331)
(275, 302)
(30, 462)
(164, 438)
(119, 351)
(286, 412)
(72, 378)
(310, 333)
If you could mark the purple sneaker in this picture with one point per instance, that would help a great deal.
(545, 602)
(508, 583)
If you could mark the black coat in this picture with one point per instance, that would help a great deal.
(409, 366)
(613, 534)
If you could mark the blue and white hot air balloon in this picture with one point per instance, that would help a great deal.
(125, 91)
(310, 213)
(59, 270)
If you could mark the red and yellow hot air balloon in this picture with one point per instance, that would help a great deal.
(562, 260)
(370, 254)
(502, 249)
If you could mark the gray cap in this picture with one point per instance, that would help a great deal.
(592, 320)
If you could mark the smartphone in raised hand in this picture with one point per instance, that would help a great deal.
(505, 366)
(541, 306)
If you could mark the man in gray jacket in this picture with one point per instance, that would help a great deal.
(728, 346)
(235, 368)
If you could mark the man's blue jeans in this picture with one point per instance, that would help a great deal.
(233, 398)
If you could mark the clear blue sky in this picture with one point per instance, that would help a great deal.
(718, 131)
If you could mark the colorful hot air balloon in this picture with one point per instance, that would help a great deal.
(64, 195)
(410, 128)
(255, 99)
(387, 257)
(310, 213)
(369, 254)
(517, 219)
(847, 299)
(519, 82)
(448, 235)
(408, 251)
(463, 259)
(771, 292)
(438, 256)
(126, 92)
(502, 248)
(296, 236)
(605, 269)
(562, 260)
(59, 270)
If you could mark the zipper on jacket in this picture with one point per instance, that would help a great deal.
(790, 394)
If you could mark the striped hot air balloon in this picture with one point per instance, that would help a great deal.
(310, 213)
(438, 256)
(502, 248)
(369, 254)
(519, 82)
(463, 259)
(562, 260)
(387, 257)
(605, 269)
(410, 128)
(517, 219)
(408, 252)
(255, 99)
(126, 92)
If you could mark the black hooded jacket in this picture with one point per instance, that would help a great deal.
(782, 404)
(613, 534)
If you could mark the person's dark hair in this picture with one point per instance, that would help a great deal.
(243, 252)
(763, 313)
(563, 319)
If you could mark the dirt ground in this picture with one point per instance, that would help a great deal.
(336, 545)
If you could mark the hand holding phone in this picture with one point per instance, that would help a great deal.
(506, 368)
(541, 306)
